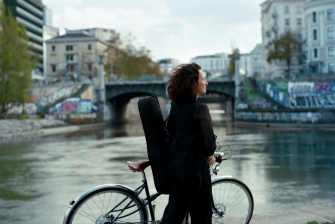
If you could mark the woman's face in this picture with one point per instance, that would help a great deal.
(202, 84)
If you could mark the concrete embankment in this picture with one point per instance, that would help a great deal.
(286, 126)
(319, 213)
(11, 129)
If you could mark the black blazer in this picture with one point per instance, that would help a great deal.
(191, 139)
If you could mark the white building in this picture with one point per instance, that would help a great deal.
(278, 17)
(320, 33)
(255, 61)
(107, 35)
(73, 55)
(213, 65)
(167, 65)
(313, 22)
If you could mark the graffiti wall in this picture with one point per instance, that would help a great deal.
(326, 117)
(27, 108)
(62, 101)
(303, 102)
(288, 95)
(74, 105)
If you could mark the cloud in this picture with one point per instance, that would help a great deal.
(174, 28)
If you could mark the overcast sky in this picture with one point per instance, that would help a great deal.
(179, 29)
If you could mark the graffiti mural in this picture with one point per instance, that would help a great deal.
(55, 96)
(74, 105)
(272, 95)
(27, 108)
(288, 117)
(88, 94)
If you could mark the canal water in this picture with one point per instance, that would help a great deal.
(283, 169)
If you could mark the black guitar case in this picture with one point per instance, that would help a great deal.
(157, 141)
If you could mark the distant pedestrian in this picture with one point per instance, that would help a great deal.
(191, 146)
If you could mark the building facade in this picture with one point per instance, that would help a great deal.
(167, 65)
(320, 33)
(313, 23)
(278, 17)
(107, 35)
(213, 65)
(73, 56)
(29, 13)
(255, 61)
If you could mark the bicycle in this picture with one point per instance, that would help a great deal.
(116, 204)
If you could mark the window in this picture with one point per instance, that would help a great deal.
(331, 52)
(69, 57)
(299, 35)
(315, 34)
(287, 22)
(53, 48)
(53, 68)
(299, 21)
(314, 17)
(89, 66)
(69, 47)
(331, 33)
(70, 68)
(299, 9)
(89, 47)
(299, 48)
(330, 14)
(287, 9)
(331, 67)
(315, 52)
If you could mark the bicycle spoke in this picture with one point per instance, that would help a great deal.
(94, 208)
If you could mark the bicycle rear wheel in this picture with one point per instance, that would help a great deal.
(93, 208)
(233, 201)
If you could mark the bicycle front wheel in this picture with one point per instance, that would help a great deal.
(108, 205)
(233, 201)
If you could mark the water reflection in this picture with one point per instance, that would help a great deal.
(284, 169)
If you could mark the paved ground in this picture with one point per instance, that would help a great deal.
(320, 213)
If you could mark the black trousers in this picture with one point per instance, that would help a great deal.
(193, 195)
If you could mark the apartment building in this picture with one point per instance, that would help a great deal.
(278, 17)
(320, 33)
(29, 13)
(166, 65)
(313, 23)
(213, 65)
(73, 55)
(107, 35)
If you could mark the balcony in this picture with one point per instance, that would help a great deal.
(275, 28)
(275, 15)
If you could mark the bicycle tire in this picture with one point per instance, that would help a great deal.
(231, 197)
(93, 207)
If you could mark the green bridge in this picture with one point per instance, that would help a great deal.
(119, 94)
(128, 90)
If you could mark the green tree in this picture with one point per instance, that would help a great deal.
(231, 68)
(16, 62)
(126, 60)
(285, 48)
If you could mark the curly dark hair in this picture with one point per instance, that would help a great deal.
(183, 83)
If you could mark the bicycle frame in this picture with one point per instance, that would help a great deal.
(147, 201)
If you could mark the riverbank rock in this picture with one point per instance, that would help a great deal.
(16, 128)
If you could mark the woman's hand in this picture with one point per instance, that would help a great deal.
(211, 160)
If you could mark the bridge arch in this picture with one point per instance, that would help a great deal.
(122, 89)
(118, 95)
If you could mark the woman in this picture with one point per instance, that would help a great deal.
(191, 146)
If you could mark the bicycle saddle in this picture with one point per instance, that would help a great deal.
(138, 166)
